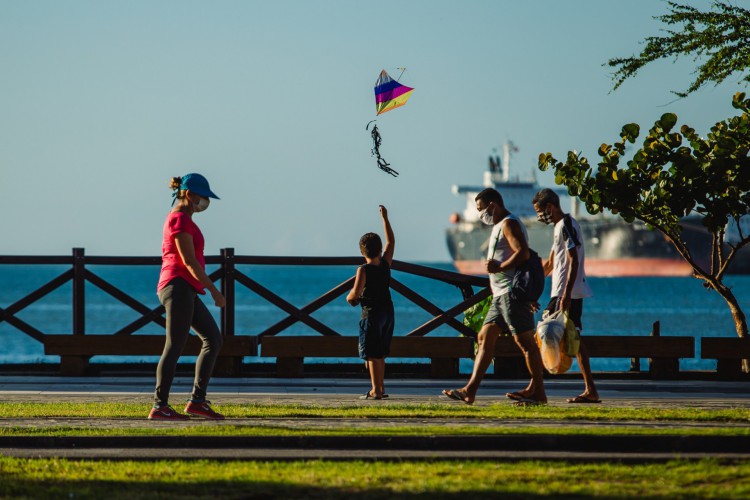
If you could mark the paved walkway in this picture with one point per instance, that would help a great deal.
(334, 392)
(345, 392)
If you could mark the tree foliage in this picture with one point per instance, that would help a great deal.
(673, 174)
(720, 37)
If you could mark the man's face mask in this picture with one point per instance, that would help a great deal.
(545, 216)
(486, 217)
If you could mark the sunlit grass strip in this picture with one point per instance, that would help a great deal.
(60, 478)
(424, 411)
(406, 430)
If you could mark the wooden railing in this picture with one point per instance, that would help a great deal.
(76, 348)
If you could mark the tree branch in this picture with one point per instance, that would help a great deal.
(722, 35)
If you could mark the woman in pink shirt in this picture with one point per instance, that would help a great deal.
(183, 278)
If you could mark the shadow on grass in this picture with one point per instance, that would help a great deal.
(258, 490)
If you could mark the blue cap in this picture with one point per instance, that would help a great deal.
(198, 185)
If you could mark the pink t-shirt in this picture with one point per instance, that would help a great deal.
(171, 262)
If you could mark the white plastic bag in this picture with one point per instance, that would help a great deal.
(549, 333)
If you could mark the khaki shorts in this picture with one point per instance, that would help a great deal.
(511, 316)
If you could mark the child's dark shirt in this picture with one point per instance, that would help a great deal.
(376, 295)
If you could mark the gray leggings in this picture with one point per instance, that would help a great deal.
(185, 309)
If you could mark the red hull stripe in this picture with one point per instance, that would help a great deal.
(607, 267)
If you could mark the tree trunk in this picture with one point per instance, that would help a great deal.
(740, 322)
(715, 282)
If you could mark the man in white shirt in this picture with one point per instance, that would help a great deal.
(508, 247)
(569, 284)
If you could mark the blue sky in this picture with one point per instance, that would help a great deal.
(101, 102)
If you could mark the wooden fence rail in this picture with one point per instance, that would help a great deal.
(76, 348)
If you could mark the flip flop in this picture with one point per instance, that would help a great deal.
(453, 394)
(515, 396)
(367, 395)
(583, 400)
(528, 402)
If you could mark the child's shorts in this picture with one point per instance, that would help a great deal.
(375, 334)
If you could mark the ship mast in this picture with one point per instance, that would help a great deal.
(506, 162)
(508, 148)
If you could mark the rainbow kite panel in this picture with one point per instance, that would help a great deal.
(389, 94)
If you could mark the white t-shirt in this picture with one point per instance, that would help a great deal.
(562, 242)
(499, 249)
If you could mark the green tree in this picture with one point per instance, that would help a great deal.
(720, 37)
(672, 175)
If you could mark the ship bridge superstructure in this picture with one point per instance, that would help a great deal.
(517, 194)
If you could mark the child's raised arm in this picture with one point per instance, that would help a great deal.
(390, 239)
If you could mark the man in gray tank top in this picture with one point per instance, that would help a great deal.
(508, 247)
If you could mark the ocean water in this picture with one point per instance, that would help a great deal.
(620, 306)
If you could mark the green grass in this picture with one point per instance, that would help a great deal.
(420, 411)
(60, 478)
(416, 420)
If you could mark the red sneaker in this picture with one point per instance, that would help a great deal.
(202, 410)
(166, 412)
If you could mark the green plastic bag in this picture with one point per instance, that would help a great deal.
(572, 343)
(474, 319)
(474, 316)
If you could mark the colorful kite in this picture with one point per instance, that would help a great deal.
(389, 94)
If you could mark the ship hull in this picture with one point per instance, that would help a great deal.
(613, 247)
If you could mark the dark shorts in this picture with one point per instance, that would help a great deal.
(375, 334)
(575, 313)
(511, 316)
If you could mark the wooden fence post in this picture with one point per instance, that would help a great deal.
(663, 368)
(77, 365)
(227, 289)
(228, 366)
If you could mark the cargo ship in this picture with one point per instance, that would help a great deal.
(613, 247)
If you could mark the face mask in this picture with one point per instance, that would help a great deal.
(201, 205)
(545, 217)
(486, 217)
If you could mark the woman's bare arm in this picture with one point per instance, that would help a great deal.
(184, 243)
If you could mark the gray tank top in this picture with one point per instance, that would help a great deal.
(499, 249)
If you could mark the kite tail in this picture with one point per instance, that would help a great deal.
(377, 140)
(385, 168)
